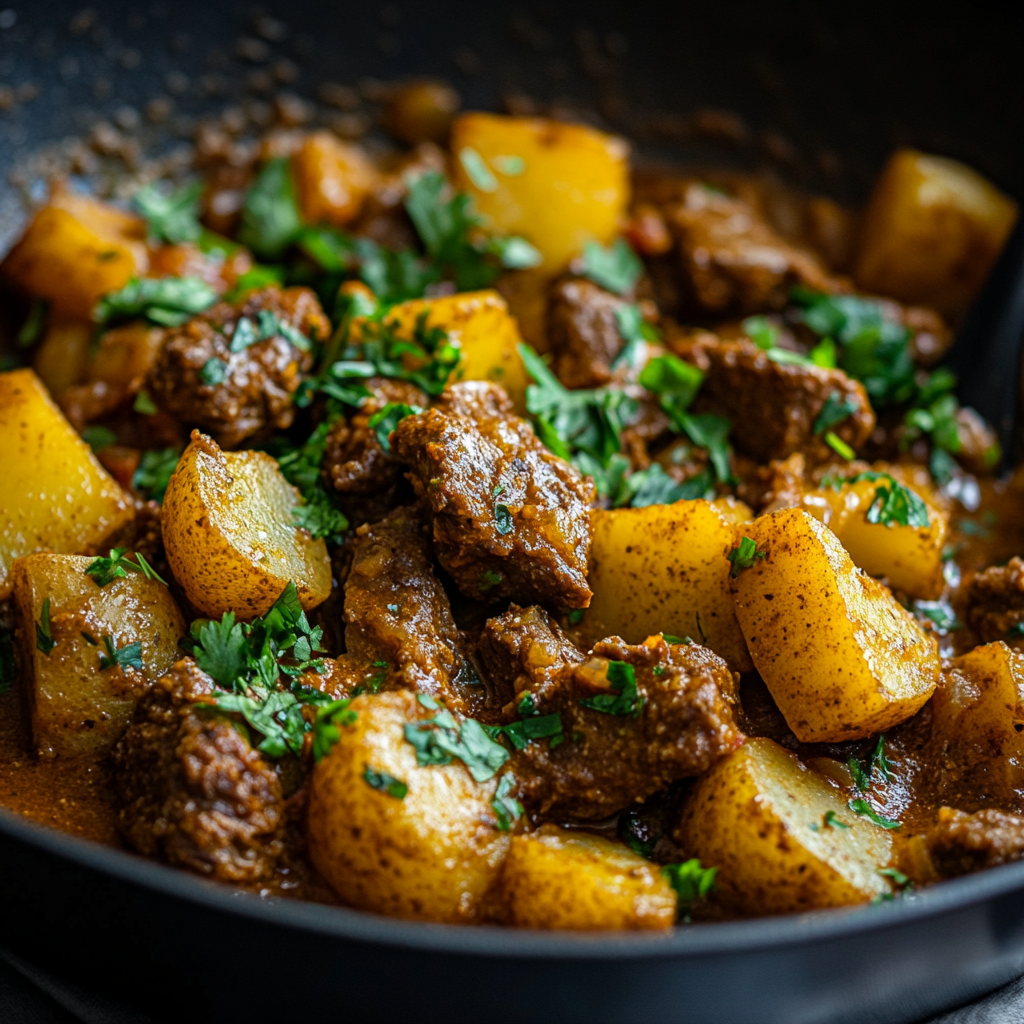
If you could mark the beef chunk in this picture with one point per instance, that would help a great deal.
(258, 381)
(355, 464)
(583, 333)
(772, 406)
(994, 603)
(191, 789)
(510, 520)
(961, 843)
(732, 261)
(682, 721)
(399, 624)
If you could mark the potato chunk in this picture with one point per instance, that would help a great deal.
(75, 250)
(230, 537)
(558, 185)
(55, 495)
(432, 854)
(657, 569)
(557, 879)
(931, 232)
(78, 707)
(759, 817)
(62, 357)
(332, 179)
(841, 656)
(909, 557)
(977, 741)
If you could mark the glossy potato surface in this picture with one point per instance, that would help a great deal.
(75, 250)
(931, 232)
(230, 537)
(56, 495)
(656, 569)
(63, 354)
(842, 658)
(557, 879)
(433, 855)
(564, 186)
(751, 816)
(332, 178)
(77, 707)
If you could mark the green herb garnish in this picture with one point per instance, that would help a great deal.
(166, 301)
(44, 638)
(690, 880)
(331, 718)
(616, 269)
(154, 472)
(744, 556)
(116, 566)
(32, 329)
(865, 810)
(835, 410)
(129, 656)
(437, 740)
(624, 698)
(98, 438)
(507, 809)
(270, 217)
(172, 216)
(385, 783)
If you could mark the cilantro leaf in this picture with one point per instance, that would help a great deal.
(634, 833)
(835, 410)
(865, 810)
(744, 556)
(167, 301)
(635, 331)
(98, 438)
(437, 740)
(44, 637)
(624, 698)
(676, 384)
(616, 268)
(761, 331)
(129, 656)
(691, 881)
(833, 821)
(320, 518)
(839, 446)
(270, 217)
(386, 420)
(213, 372)
(32, 329)
(116, 566)
(385, 783)
(330, 720)
(172, 216)
(221, 649)
(507, 809)
(154, 472)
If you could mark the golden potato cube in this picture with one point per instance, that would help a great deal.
(432, 854)
(977, 732)
(125, 355)
(62, 358)
(759, 816)
(75, 250)
(78, 707)
(842, 658)
(931, 232)
(659, 569)
(332, 179)
(230, 537)
(557, 185)
(909, 557)
(56, 495)
(480, 324)
(559, 879)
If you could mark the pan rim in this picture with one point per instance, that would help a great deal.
(494, 941)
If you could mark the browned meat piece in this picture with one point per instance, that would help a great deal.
(961, 843)
(773, 406)
(994, 604)
(732, 261)
(681, 722)
(368, 478)
(399, 626)
(510, 519)
(583, 333)
(256, 383)
(191, 789)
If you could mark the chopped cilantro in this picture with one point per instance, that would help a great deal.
(32, 329)
(301, 466)
(507, 809)
(624, 698)
(690, 880)
(676, 384)
(221, 649)
(1016, 631)
(616, 268)
(894, 504)
(8, 664)
(320, 518)
(865, 810)
(270, 217)
(835, 410)
(386, 420)
(167, 301)
(940, 613)
(635, 331)
(477, 170)
(98, 438)
(576, 616)
(129, 656)
(437, 740)
(213, 372)
(116, 566)
(530, 727)
(252, 280)
(832, 821)
(671, 638)
(154, 472)
(172, 216)
(331, 718)
(900, 880)
(761, 331)
(512, 165)
(744, 556)
(878, 760)
(502, 519)
(633, 831)
(385, 783)
(144, 404)
(44, 638)
(839, 446)
(489, 578)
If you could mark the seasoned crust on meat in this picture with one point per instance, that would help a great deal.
(258, 381)
(960, 843)
(470, 455)
(191, 789)
(583, 333)
(994, 604)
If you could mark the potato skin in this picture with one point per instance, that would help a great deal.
(573, 186)
(751, 815)
(557, 879)
(931, 232)
(842, 658)
(229, 535)
(655, 569)
(432, 856)
(332, 179)
(77, 709)
(55, 494)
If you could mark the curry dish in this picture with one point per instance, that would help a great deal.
(489, 528)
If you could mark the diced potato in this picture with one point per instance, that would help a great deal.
(558, 185)
(931, 232)
(480, 324)
(557, 879)
(433, 854)
(75, 250)
(422, 111)
(909, 557)
(63, 355)
(230, 536)
(842, 658)
(758, 816)
(55, 494)
(657, 569)
(125, 356)
(77, 707)
(332, 179)
(977, 732)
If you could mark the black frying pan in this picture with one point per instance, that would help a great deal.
(824, 92)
